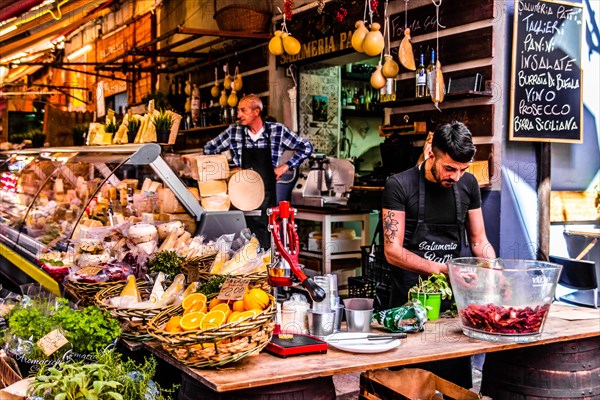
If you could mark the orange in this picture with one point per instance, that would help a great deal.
(256, 298)
(212, 319)
(238, 305)
(191, 321)
(243, 315)
(233, 316)
(172, 324)
(192, 299)
(222, 307)
(196, 307)
(214, 302)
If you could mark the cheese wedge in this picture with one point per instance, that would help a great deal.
(157, 289)
(220, 202)
(169, 242)
(246, 254)
(192, 288)
(131, 289)
(211, 188)
(173, 292)
(218, 262)
(183, 240)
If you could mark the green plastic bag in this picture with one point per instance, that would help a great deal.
(408, 318)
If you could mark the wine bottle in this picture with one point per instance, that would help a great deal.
(196, 106)
(430, 72)
(421, 79)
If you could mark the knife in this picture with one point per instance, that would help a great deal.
(372, 337)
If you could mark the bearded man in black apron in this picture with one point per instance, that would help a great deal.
(426, 211)
(259, 146)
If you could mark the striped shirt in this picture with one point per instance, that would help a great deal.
(281, 139)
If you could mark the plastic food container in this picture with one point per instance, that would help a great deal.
(503, 300)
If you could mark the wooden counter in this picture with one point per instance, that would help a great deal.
(441, 339)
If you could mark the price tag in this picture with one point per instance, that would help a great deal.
(89, 270)
(52, 342)
(233, 289)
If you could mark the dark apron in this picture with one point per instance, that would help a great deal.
(259, 160)
(437, 242)
(456, 370)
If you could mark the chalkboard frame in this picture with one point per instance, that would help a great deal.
(540, 136)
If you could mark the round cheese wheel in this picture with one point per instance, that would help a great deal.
(246, 190)
(89, 260)
(140, 233)
(167, 227)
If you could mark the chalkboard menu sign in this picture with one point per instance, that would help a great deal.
(546, 103)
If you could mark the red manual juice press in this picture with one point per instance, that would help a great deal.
(284, 269)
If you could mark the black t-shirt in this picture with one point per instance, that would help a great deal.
(402, 194)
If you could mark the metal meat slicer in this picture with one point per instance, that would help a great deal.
(327, 183)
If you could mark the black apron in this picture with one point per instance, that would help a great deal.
(259, 160)
(437, 242)
(441, 242)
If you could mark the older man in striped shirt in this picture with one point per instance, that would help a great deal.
(259, 145)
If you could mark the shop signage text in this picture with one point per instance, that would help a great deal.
(319, 47)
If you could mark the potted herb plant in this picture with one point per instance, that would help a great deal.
(111, 126)
(430, 292)
(163, 122)
(133, 125)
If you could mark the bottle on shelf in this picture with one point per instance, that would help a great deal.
(430, 72)
(130, 210)
(349, 96)
(343, 97)
(356, 98)
(195, 106)
(213, 114)
(204, 115)
(421, 78)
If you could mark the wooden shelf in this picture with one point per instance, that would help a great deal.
(466, 94)
(349, 112)
(205, 128)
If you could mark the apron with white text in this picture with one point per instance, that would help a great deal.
(436, 242)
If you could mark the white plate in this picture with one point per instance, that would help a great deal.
(359, 345)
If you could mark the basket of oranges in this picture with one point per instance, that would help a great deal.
(209, 333)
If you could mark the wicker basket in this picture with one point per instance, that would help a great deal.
(86, 292)
(133, 321)
(256, 279)
(242, 17)
(218, 346)
(9, 371)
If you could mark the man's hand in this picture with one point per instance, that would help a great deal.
(279, 171)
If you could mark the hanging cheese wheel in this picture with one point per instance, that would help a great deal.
(246, 190)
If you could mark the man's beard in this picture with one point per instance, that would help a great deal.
(444, 183)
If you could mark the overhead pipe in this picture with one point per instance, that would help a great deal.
(45, 17)
(18, 8)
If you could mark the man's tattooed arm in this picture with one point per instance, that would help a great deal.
(390, 227)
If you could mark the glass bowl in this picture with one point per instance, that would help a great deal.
(503, 300)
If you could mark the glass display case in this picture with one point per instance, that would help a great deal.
(50, 196)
